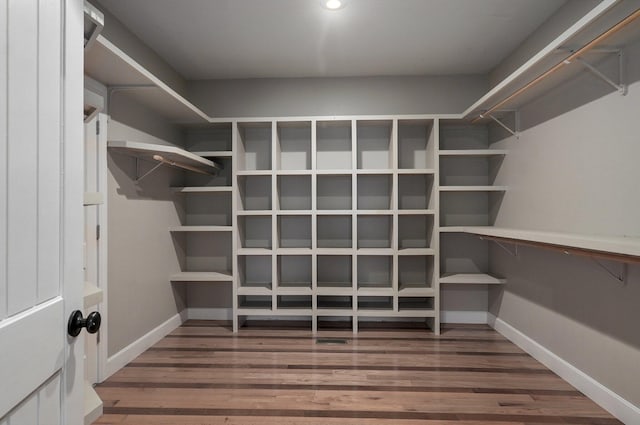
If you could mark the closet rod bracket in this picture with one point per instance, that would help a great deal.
(621, 87)
(140, 177)
(513, 253)
(620, 277)
(502, 124)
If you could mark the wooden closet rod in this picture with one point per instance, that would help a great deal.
(614, 29)
(178, 164)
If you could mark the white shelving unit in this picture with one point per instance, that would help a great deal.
(468, 196)
(325, 210)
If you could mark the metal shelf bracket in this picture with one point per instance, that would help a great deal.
(140, 177)
(513, 132)
(620, 277)
(513, 253)
(621, 87)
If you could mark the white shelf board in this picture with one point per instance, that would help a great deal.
(201, 229)
(374, 251)
(452, 229)
(471, 279)
(202, 189)
(376, 292)
(146, 151)
(92, 295)
(107, 63)
(473, 188)
(293, 172)
(414, 313)
(335, 251)
(416, 171)
(416, 292)
(254, 290)
(202, 277)
(294, 212)
(473, 152)
(294, 251)
(417, 251)
(334, 172)
(416, 212)
(254, 212)
(293, 290)
(375, 312)
(292, 311)
(384, 172)
(254, 173)
(334, 212)
(247, 311)
(212, 154)
(327, 312)
(375, 212)
(626, 246)
(254, 251)
(336, 291)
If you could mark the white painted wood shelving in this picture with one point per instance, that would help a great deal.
(336, 219)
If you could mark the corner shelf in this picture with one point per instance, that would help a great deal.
(473, 152)
(202, 277)
(172, 154)
(471, 279)
(201, 229)
(473, 188)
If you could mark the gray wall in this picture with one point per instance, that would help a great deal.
(337, 96)
(575, 170)
(141, 252)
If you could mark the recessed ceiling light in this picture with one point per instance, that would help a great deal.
(334, 4)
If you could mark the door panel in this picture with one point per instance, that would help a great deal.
(38, 362)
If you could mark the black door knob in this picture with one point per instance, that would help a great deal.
(77, 322)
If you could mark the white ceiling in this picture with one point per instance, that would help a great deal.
(217, 39)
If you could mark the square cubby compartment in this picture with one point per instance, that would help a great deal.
(459, 135)
(294, 146)
(415, 192)
(416, 142)
(223, 177)
(254, 232)
(294, 192)
(334, 271)
(375, 271)
(415, 303)
(415, 271)
(294, 271)
(302, 302)
(254, 271)
(294, 231)
(374, 192)
(374, 231)
(206, 209)
(254, 146)
(374, 145)
(334, 192)
(258, 302)
(415, 231)
(333, 145)
(335, 302)
(463, 170)
(209, 137)
(375, 303)
(254, 193)
(334, 231)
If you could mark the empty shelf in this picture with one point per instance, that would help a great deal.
(626, 249)
(201, 229)
(202, 277)
(472, 279)
(473, 188)
(201, 189)
(172, 154)
(473, 152)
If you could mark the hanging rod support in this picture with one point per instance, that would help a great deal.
(500, 123)
(620, 87)
(622, 277)
(140, 177)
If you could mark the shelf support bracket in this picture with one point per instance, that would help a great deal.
(620, 277)
(502, 124)
(140, 177)
(620, 87)
(513, 253)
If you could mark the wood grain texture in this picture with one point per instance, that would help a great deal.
(203, 374)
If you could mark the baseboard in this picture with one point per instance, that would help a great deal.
(209, 313)
(473, 317)
(133, 350)
(607, 399)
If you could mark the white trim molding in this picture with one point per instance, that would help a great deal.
(133, 350)
(603, 396)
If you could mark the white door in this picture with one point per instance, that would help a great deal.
(40, 211)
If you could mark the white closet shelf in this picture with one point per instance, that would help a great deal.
(385, 171)
(92, 295)
(294, 251)
(374, 251)
(254, 290)
(105, 62)
(376, 292)
(255, 251)
(171, 154)
(254, 212)
(416, 212)
(293, 290)
(254, 173)
(471, 279)
(473, 152)
(214, 154)
(293, 212)
(416, 292)
(294, 172)
(625, 249)
(473, 188)
(452, 229)
(202, 189)
(416, 171)
(336, 291)
(202, 277)
(201, 229)
(248, 311)
(417, 251)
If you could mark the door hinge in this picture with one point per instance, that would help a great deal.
(97, 127)
(98, 232)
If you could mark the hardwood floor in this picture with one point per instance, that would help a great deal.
(203, 374)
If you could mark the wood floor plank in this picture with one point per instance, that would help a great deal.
(204, 374)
